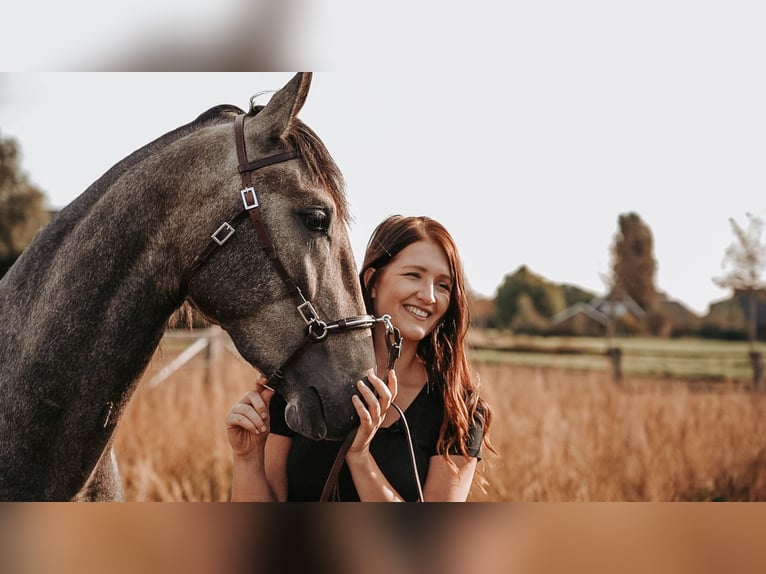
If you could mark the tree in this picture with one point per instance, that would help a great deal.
(746, 258)
(633, 271)
(634, 265)
(22, 210)
(545, 298)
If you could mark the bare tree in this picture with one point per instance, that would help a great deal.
(746, 260)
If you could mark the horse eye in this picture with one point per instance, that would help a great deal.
(316, 220)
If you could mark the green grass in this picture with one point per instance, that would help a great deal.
(685, 358)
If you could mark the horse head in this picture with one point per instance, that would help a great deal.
(258, 293)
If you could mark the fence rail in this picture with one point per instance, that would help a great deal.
(212, 341)
(691, 359)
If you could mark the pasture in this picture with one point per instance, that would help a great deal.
(688, 359)
(562, 433)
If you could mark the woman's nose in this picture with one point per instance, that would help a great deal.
(427, 293)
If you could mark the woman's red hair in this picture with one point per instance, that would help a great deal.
(443, 351)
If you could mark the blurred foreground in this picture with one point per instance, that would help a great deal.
(409, 539)
(228, 35)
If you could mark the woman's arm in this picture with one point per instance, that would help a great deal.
(259, 459)
(262, 477)
(443, 484)
(370, 483)
(277, 449)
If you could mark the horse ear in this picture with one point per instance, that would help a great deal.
(283, 106)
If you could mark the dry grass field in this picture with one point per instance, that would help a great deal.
(574, 436)
(171, 443)
(561, 435)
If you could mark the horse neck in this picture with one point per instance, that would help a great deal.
(93, 292)
(81, 314)
(105, 281)
(89, 306)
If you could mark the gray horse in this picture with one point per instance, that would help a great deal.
(85, 306)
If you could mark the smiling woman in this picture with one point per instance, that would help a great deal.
(411, 272)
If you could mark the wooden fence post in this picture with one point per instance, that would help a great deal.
(615, 358)
(213, 355)
(756, 360)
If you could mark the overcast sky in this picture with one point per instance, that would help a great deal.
(528, 153)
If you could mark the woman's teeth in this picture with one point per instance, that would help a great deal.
(416, 311)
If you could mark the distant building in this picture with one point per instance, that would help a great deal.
(580, 319)
(728, 318)
(592, 318)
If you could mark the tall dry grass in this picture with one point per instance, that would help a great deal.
(575, 436)
(171, 443)
(560, 435)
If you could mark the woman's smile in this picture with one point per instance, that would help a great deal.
(417, 312)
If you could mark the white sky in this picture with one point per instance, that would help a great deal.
(527, 142)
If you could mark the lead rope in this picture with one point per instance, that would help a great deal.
(331, 489)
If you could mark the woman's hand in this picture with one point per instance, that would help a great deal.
(247, 424)
(372, 411)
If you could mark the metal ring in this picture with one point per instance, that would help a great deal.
(322, 333)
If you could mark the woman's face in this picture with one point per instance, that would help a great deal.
(414, 288)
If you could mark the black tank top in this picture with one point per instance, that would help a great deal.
(309, 461)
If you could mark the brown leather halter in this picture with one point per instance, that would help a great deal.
(317, 329)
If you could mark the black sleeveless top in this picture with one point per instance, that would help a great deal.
(309, 461)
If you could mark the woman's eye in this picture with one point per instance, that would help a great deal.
(316, 220)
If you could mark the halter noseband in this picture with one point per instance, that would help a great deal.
(317, 329)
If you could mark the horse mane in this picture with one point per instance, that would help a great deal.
(322, 168)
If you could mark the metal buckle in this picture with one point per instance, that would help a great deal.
(312, 314)
(249, 205)
(225, 229)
